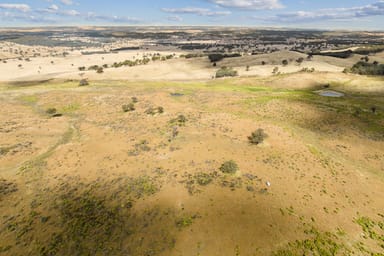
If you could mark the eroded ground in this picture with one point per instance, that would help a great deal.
(96, 180)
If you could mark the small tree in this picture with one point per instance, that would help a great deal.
(285, 62)
(300, 60)
(247, 68)
(257, 137)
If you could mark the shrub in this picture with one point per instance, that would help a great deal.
(257, 137)
(275, 70)
(134, 100)
(230, 167)
(128, 107)
(83, 82)
(99, 70)
(51, 111)
(81, 68)
(284, 62)
(225, 71)
(153, 111)
(180, 120)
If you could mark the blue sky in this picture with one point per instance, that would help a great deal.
(322, 14)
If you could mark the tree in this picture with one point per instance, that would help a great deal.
(275, 70)
(300, 60)
(257, 137)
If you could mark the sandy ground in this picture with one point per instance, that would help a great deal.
(132, 185)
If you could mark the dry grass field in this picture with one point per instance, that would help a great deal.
(80, 176)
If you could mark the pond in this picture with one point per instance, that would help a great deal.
(329, 93)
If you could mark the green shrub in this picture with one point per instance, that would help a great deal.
(257, 137)
(225, 71)
(153, 111)
(51, 111)
(128, 107)
(180, 120)
(230, 167)
(83, 82)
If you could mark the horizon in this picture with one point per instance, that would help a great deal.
(190, 26)
(281, 14)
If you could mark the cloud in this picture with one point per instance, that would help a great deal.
(9, 16)
(116, 19)
(375, 9)
(249, 4)
(17, 7)
(55, 10)
(196, 11)
(53, 7)
(67, 2)
(175, 18)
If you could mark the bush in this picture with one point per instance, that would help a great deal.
(230, 167)
(134, 100)
(153, 111)
(180, 120)
(224, 72)
(257, 137)
(83, 82)
(51, 111)
(128, 107)
(100, 70)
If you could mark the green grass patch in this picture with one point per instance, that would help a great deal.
(317, 244)
(70, 108)
(29, 99)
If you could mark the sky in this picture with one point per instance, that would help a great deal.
(307, 14)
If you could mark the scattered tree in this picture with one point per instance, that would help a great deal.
(257, 137)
